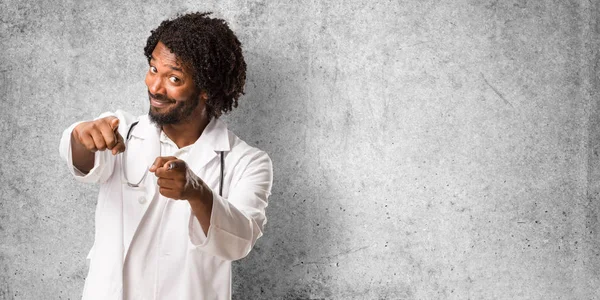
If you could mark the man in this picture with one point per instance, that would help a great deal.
(180, 196)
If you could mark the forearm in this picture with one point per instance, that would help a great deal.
(235, 222)
(201, 205)
(83, 159)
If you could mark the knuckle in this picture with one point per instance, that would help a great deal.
(111, 142)
(90, 145)
(81, 130)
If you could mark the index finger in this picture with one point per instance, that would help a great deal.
(160, 162)
(113, 122)
(170, 169)
(174, 164)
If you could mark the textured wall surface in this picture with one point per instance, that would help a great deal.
(421, 149)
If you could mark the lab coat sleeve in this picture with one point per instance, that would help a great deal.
(103, 160)
(237, 222)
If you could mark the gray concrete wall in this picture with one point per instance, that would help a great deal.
(421, 149)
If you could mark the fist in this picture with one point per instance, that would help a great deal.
(100, 135)
(176, 180)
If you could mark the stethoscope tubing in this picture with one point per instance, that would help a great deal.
(135, 185)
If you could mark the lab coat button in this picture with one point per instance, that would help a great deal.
(142, 200)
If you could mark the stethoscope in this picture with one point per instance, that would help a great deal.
(138, 184)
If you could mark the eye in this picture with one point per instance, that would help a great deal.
(153, 69)
(174, 79)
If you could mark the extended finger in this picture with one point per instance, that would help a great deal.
(113, 122)
(176, 164)
(160, 161)
(170, 169)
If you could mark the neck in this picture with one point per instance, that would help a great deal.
(186, 132)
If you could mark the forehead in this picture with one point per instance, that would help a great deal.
(163, 56)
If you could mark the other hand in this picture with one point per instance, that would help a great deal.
(99, 135)
(176, 180)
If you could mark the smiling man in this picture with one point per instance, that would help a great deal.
(180, 195)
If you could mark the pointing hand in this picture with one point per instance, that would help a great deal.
(176, 180)
(99, 135)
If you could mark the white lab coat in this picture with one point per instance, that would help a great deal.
(169, 256)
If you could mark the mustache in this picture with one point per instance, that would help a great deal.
(160, 97)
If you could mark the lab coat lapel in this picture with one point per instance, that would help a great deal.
(214, 138)
(200, 155)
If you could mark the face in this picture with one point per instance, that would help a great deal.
(173, 96)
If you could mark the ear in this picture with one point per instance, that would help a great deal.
(203, 96)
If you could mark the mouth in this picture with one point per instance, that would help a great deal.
(159, 103)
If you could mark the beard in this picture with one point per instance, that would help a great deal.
(181, 111)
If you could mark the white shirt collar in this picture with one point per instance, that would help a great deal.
(215, 135)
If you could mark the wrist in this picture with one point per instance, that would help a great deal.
(201, 194)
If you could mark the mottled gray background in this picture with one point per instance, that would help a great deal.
(421, 149)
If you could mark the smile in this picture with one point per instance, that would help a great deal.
(159, 103)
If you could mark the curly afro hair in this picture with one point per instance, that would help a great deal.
(211, 51)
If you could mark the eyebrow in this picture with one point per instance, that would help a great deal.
(176, 68)
(170, 66)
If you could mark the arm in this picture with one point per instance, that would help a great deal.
(82, 146)
(227, 228)
(92, 136)
(83, 159)
(201, 205)
(238, 221)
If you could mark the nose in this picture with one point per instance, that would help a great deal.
(155, 84)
